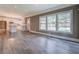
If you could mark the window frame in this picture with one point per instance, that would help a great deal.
(71, 22)
(39, 24)
(47, 22)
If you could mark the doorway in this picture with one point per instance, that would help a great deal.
(3, 25)
(13, 27)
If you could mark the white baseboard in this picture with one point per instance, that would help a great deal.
(62, 37)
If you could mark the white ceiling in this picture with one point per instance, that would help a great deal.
(25, 10)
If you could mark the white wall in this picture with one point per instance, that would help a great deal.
(28, 24)
(20, 22)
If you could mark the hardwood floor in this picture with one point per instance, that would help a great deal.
(28, 43)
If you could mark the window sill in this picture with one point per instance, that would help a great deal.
(56, 32)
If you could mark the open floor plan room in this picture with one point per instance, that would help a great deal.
(39, 29)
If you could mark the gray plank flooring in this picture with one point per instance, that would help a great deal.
(29, 43)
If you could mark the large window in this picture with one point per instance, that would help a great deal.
(64, 22)
(59, 22)
(42, 23)
(51, 22)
